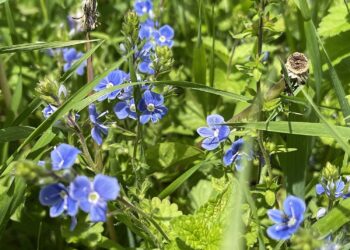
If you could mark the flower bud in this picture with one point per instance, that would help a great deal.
(29, 170)
(130, 28)
(48, 91)
(330, 172)
(163, 59)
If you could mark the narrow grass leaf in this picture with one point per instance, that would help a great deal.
(14, 133)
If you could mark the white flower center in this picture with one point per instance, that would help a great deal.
(133, 107)
(144, 9)
(109, 85)
(93, 197)
(63, 194)
(162, 39)
(150, 107)
(216, 132)
(291, 222)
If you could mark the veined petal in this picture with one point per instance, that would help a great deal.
(214, 120)
(276, 216)
(210, 143)
(167, 32)
(228, 157)
(98, 212)
(80, 188)
(96, 136)
(224, 132)
(279, 232)
(205, 132)
(107, 187)
(50, 194)
(57, 209)
(294, 207)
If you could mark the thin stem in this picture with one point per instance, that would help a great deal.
(111, 229)
(155, 224)
(82, 142)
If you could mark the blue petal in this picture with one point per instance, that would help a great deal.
(224, 132)
(145, 117)
(115, 77)
(228, 157)
(320, 189)
(73, 223)
(277, 216)
(64, 156)
(81, 69)
(57, 209)
(120, 110)
(96, 136)
(167, 31)
(85, 206)
(80, 188)
(102, 85)
(214, 120)
(279, 232)
(72, 206)
(50, 194)
(69, 55)
(107, 187)
(98, 212)
(210, 143)
(205, 132)
(93, 113)
(148, 97)
(294, 207)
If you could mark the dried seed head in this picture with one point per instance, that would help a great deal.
(90, 14)
(298, 67)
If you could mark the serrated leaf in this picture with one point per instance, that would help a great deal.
(201, 193)
(335, 22)
(204, 229)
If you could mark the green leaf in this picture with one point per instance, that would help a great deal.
(335, 22)
(85, 232)
(296, 128)
(199, 64)
(31, 107)
(11, 196)
(41, 45)
(304, 9)
(334, 219)
(204, 229)
(15, 133)
(181, 179)
(168, 154)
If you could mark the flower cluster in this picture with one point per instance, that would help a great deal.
(216, 133)
(80, 192)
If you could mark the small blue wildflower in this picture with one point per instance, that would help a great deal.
(143, 7)
(114, 78)
(235, 155)
(98, 128)
(146, 29)
(152, 107)
(126, 93)
(146, 66)
(49, 110)
(330, 188)
(125, 109)
(215, 133)
(287, 221)
(164, 36)
(93, 196)
(57, 197)
(63, 156)
(70, 56)
(54, 52)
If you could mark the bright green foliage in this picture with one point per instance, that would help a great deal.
(203, 229)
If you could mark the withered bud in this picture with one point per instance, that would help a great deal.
(297, 66)
(90, 15)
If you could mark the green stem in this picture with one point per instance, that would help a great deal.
(146, 216)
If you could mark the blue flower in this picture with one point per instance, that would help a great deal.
(235, 155)
(164, 36)
(57, 197)
(70, 56)
(63, 156)
(125, 109)
(49, 110)
(151, 107)
(287, 221)
(215, 133)
(98, 128)
(143, 7)
(114, 78)
(146, 66)
(93, 196)
(126, 93)
(146, 29)
(330, 188)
